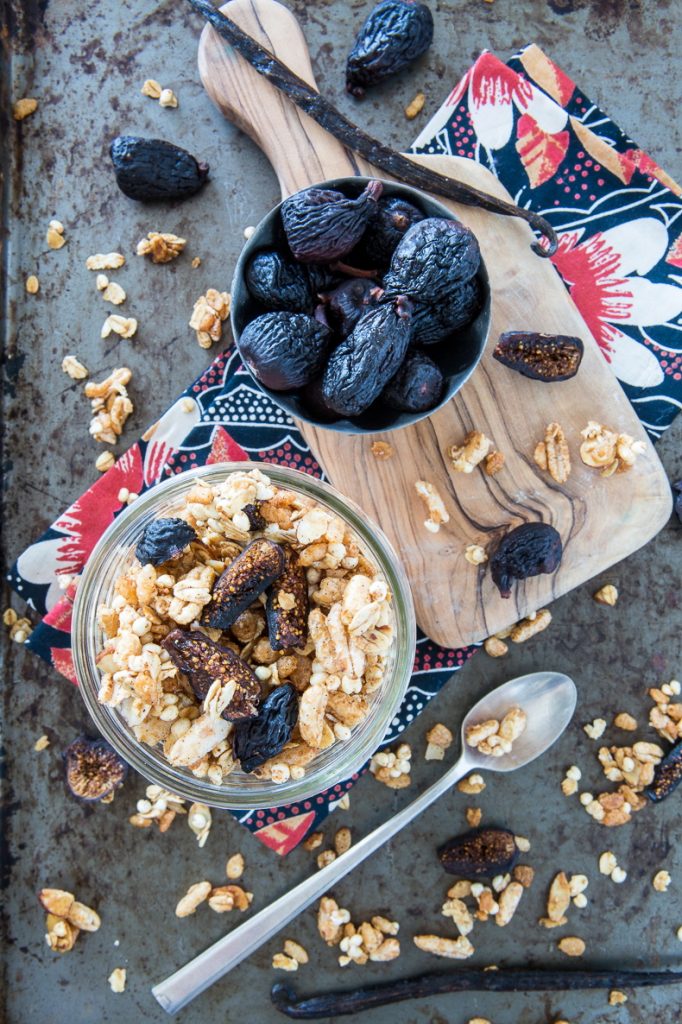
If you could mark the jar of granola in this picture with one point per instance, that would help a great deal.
(243, 635)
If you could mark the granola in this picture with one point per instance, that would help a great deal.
(161, 248)
(371, 940)
(467, 456)
(494, 737)
(437, 514)
(24, 108)
(32, 284)
(117, 979)
(209, 313)
(392, 767)
(110, 404)
(335, 672)
(415, 106)
(65, 919)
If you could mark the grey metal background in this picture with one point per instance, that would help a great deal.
(86, 63)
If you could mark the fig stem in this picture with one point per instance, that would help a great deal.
(349, 134)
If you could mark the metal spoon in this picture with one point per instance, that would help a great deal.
(548, 698)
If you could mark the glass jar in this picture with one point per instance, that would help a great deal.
(112, 556)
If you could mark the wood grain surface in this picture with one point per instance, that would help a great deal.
(601, 520)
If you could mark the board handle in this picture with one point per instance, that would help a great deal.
(300, 151)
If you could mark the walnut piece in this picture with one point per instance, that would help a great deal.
(467, 456)
(494, 462)
(381, 450)
(553, 455)
(608, 594)
(604, 449)
(161, 248)
(209, 313)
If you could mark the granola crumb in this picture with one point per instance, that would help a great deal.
(522, 843)
(161, 248)
(571, 945)
(113, 293)
(249, 231)
(494, 737)
(344, 802)
(325, 858)
(608, 594)
(24, 108)
(124, 326)
(437, 514)
(625, 721)
(55, 235)
(455, 949)
(168, 98)
(195, 895)
(494, 647)
(524, 874)
(282, 962)
(475, 554)
(117, 979)
(415, 106)
(32, 284)
(618, 875)
(42, 743)
(617, 998)
(392, 767)
(342, 840)
(467, 456)
(313, 841)
(209, 313)
(473, 816)
(235, 866)
(74, 368)
(151, 88)
(105, 261)
(471, 785)
(661, 881)
(530, 626)
(381, 450)
(595, 729)
(104, 461)
(296, 951)
(494, 462)
(196, 262)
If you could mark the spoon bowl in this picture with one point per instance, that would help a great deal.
(549, 700)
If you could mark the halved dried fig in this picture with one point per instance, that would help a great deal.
(546, 357)
(93, 769)
(244, 579)
(287, 606)
(203, 661)
(667, 775)
(481, 852)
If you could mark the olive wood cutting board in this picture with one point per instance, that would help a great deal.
(601, 520)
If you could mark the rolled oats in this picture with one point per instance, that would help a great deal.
(571, 945)
(32, 284)
(415, 106)
(467, 456)
(313, 841)
(508, 901)
(282, 962)
(24, 108)
(168, 98)
(60, 935)
(121, 325)
(437, 513)
(325, 858)
(113, 293)
(595, 729)
(552, 454)
(559, 897)
(151, 88)
(55, 235)
(161, 248)
(608, 594)
(105, 261)
(117, 979)
(111, 405)
(42, 743)
(495, 647)
(74, 368)
(457, 910)
(455, 949)
(209, 313)
(530, 626)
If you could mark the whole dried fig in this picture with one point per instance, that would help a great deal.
(361, 366)
(284, 350)
(394, 34)
(416, 387)
(254, 742)
(279, 283)
(163, 539)
(435, 257)
(348, 301)
(321, 224)
(148, 169)
(437, 321)
(392, 219)
(528, 550)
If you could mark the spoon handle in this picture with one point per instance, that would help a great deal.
(196, 976)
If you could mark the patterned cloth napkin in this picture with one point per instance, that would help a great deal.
(618, 217)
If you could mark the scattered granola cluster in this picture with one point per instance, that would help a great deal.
(110, 404)
(523, 630)
(124, 326)
(161, 248)
(415, 106)
(392, 767)
(438, 739)
(562, 892)
(155, 91)
(292, 955)
(55, 237)
(437, 514)
(210, 312)
(24, 107)
(117, 979)
(160, 807)
(495, 738)
(111, 291)
(475, 449)
(372, 940)
(334, 671)
(666, 716)
(105, 261)
(608, 451)
(66, 918)
(222, 898)
(20, 629)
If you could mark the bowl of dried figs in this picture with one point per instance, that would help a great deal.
(243, 636)
(360, 305)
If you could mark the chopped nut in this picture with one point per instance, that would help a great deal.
(553, 455)
(330, 920)
(608, 594)
(475, 554)
(457, 910)
(495, 647)
(24, 108)
(282, 962)
(325, 858)
(559, 897)
(104, 461)
(437, 514)
(661, 881)
(342, 840)
(196, 262)
(522, 843)
(55, 235)
(32, 284)
(210, 310)
(296, 951)
(524, 874)
(105, 261)
(195, 895)
(617, 998)
(74, 368)
(439, 734)
(42, 743)
(381, 450)
(151, 88)
(467, 456)
(392, 767)
(472, 785)
(415, 106)
(113, 293)
(494, 462)
(161, 248)
(455, 949)
(603, 449)
(314, 840)
(529, 627)
(168, 98)
(571, 946)
(61, 935)
(235, 866)
(83, 918)
(625, 721)
(473, 816)
(56, 901)
(596, 728)
(117, 979)
(125, 326)
(508, 901)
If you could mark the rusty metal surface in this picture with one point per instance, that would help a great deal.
(86, 64)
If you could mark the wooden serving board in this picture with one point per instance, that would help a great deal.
(601, 520)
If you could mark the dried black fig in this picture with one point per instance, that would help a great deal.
(163, 539)
(348, 301)
(287, 606)
(255, 741)
(361, 366)
(677, 492)
(528, 550)
(547, 357)
(435, 257)
(284, 350)
(148, 169)
(440, 320)
(416, 387)
(395, 33)
(667, 775)
(93, 769)
(244, 580)
(322, 225)
(253, 514)
(279, 283)
(203, 662)
(392, 219)
(316, 404)
(482, 852)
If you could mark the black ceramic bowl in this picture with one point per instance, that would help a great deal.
(457, 357)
